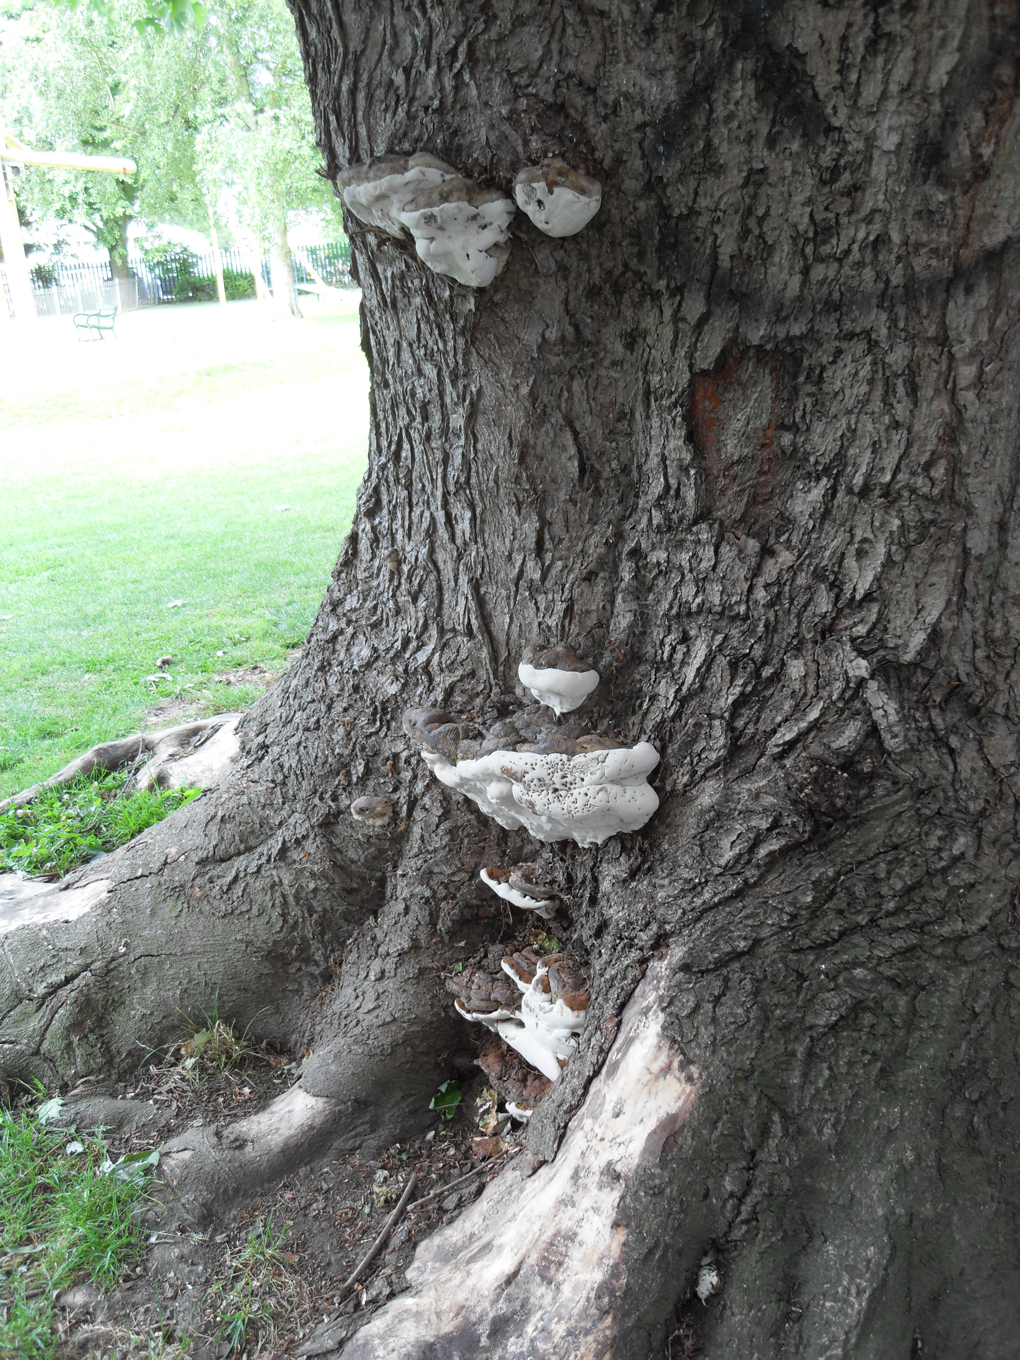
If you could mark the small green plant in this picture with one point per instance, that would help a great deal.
(446, 1099)
(63, 827)
(212, 1046)
(44, 275)
(69, 1214)
(256, 1289)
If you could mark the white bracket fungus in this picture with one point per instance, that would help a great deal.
(557, 677)
(378, 191)
(534, 1266)
(520, 886)
(567, 786)
(551, 1009)
(709, 1280)
(559, 200)
(461, 230)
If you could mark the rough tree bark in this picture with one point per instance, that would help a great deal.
(750, 442)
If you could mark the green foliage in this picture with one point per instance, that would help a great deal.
(202, 287)
(173, 16)
(45, 275)
(446, 1099)
(63, 827)
(248, 1300)
(210, 103)
(67, 1216)
(176, 267)
(214, 1044)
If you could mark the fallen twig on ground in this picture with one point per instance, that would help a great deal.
(377, 1245)
(450, 1185)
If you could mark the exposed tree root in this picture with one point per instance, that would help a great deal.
(536, 1266)
(169, 747)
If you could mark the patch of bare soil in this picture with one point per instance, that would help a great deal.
(194, 703)
(269, 1283)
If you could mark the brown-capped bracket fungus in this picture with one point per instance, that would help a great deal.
(374, 812)
(541, 1018)
(519, 1085)
(521, 885)
(557, 782)
(558, 199)
(557, 677)
(376, 191)
(459, 229)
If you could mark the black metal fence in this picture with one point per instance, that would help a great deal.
(179, 275)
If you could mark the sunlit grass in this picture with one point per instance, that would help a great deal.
(64, 827)
(181, 491)
(68, 1215)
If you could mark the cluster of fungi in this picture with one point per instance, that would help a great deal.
(460, 229)
(559, 781)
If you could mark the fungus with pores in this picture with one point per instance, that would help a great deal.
(377, 191)
(560, 783)
(521, 886)
(461, 230)
(569, 784)
(559, 200)
(557, 677)
(373, 811)
(549, 1012)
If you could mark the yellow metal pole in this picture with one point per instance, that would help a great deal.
(19, 281)
(67, 160)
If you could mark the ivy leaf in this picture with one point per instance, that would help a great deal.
(446, 1099)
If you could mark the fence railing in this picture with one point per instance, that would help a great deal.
(63, 289)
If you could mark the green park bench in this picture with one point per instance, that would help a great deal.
(96, 324)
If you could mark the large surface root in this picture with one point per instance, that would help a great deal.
(536, 1266)
(171, 757)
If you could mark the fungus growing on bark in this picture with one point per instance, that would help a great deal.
(541, 1022)
(377, 191)
(483, 994)
(373, 811)
(559, 200)
(557, 677)
(568, 784)
(709, 1279)
(521, 886)
(461, 230)
(520, 1086)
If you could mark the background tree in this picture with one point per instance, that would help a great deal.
(81, 81)
(260, 138)
(215, 113)
(750, 441)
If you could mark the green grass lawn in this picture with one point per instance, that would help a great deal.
(180, 491)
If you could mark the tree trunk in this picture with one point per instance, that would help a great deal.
(281, 267)
(127, 287)
(214, 237)
(749, 441)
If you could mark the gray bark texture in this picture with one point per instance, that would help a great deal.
(749, 441)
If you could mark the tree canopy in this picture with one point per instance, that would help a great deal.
(214, 112)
